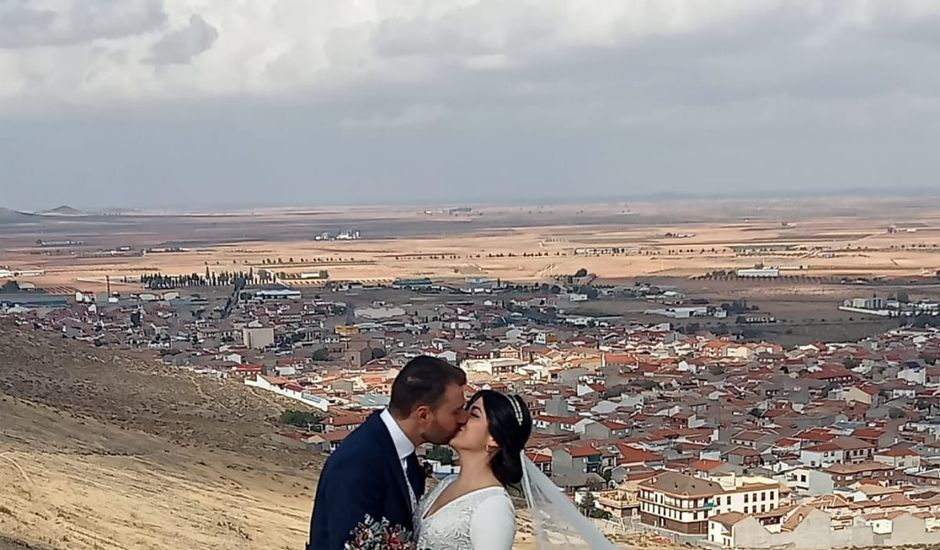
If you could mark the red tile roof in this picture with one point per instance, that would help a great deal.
(584, 451)
(632, 455)
(897, 452)
(538, 458)
(816, 434)
(824, 448)
(705, 465)
(868, 433)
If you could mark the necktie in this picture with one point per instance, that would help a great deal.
(415, 475)
(415, 482)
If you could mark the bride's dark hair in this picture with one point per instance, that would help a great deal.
(510, 424)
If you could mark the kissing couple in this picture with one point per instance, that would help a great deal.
(371, 492)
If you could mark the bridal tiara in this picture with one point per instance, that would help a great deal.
(516, 407)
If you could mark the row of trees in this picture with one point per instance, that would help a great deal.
(733, 276)
(912, 246)
(738, 306)
(280, 261)
(159, 281)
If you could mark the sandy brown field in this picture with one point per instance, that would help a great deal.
(511, 243)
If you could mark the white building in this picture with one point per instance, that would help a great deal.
(867, 303)
(745, 494)
(258, 338)
(759, 272)
(501, 365)
(809, 481)
(290, 391)
(679, 312)
(914, 376)
(379, 312)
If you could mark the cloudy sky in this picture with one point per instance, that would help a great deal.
(169, 103)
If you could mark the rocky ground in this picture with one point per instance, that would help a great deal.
(6, 544)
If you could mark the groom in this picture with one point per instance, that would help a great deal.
(375, 471)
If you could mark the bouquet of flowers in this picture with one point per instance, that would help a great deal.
(379, 535)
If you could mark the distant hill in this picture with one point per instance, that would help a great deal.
(63, 210)
(8, 215)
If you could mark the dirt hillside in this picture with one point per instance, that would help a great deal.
(107, 451)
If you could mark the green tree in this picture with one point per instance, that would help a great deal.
(587, 504)
(440, 453)
(321, 354)
(378, 353)
(589, 509)
(301, 419)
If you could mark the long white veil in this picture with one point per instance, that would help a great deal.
(556, 521)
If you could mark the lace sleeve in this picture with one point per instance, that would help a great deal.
(493, 526)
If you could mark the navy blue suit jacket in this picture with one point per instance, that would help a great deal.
(363, 476)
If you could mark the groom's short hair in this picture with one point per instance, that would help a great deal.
(423, 381)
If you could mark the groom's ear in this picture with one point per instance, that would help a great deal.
(422, 412)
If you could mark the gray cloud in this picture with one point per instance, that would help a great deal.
(34, 23)
(461, 100)
(182, 45)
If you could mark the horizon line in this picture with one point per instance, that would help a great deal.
(657, 197)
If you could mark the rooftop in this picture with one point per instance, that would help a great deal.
(682, 485)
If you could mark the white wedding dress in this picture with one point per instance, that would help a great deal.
(479, 520)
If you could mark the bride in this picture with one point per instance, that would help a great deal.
(473, 510)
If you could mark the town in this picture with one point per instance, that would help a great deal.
(706, 436)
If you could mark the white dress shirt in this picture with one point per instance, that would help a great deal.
(403, 446)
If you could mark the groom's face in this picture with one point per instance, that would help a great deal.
(444, 421)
